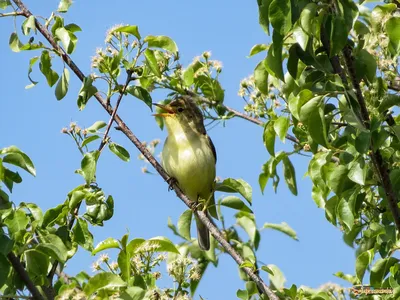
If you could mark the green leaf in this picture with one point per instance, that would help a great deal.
(6, 244)
(88, 165)
(131, 29)
(119, 151)
(184, 224)
(363, 142)
(301, 37)
(64, 6)
(284, 228)
(345, 214)
(290, 175)
(37, 262)
(242, 294)
(261, 78)
(32, 61)
(247, 264)
(188, 76)
(16, 221)
(307, 16)
(124, 264)
(54, 247)
(278, 279)
(152, 62)
(133, 293)
(380, 269)
(162, 244)
(263, 18)
(273, 61)
(72, 27)
(140, 93)
(280, 16)
(4, 264)
(86, 92)
(389, 101)
(96, 126)
(62, 85)
(163, 42)
(337, 179)
(262, 181)
(210, 87)
(89, 139)
(393, 31)
(64, 36)
(362, 262)
(240, 186)
(257, 49)
(103, 281)
(235, 203)
(28, 24)
(281, 126)
(249, 225)
(82, 235)
(338, 35)
(293, 61)
(14, 43)
(365, 65)
(4, 4)
(358, 171)
(135, 245)
(45, 68)
(18, 158)
(108, 243)
(269, 138)
(76, 197)
(268, 270)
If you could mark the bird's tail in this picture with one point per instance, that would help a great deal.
(203, 235)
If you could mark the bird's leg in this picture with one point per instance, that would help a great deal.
(171, 181)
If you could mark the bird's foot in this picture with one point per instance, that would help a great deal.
(171, 181)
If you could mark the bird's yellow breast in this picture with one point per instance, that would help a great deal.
(188, 158)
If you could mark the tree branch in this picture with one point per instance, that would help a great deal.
(129, 134)
(375, 155)
(18, 267)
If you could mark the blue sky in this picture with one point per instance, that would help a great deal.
(32, 120)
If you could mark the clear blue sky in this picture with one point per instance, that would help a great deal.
(32, 120)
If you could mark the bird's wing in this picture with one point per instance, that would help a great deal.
(212, 148)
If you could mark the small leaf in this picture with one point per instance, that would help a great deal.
(281, 126)
(119, 151)
(280, 16)
(54, 247)
(268, 270)
(345, 214)
(393, 31)
(28, 24)
(131, 29)
(257, 49)
(89, 139)
(37, 262)
(32, 61)
(64, 6)
(152, 62)
(247, 264)
(140, 93)
(18, 158)
(235, 203)
(184, 224)
(62, 85)
(82, 235)
(249, 226)
(290, 175)
(269, 138)
(284, 228)
(104, 280)
(14, 43)
(45, 68)
(273, 61)
(365, 65)
(358, 171)
(88, 165)
(108, 243)
(278, 279)
(96, 126)
(261, 78)
(163, 42)
(362, 262)
(231, 185)
(380, 269)
(338, 35)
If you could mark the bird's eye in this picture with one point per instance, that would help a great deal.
(180, 109)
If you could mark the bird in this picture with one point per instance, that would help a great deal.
(189, 157)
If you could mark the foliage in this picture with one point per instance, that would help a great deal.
(328, 83)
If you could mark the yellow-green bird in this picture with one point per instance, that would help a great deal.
(189, 157)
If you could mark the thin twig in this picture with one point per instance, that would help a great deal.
(146, 153)
(121, 94)
(20, 270)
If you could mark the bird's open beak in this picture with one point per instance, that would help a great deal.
(168, 110)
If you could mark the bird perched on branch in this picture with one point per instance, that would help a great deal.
(189, 157)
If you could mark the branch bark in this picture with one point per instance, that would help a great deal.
(19, 268)
(129, 134)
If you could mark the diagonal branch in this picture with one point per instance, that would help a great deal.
(20, 270)
(130, 135)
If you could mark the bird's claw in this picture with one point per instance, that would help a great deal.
(171, 181)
